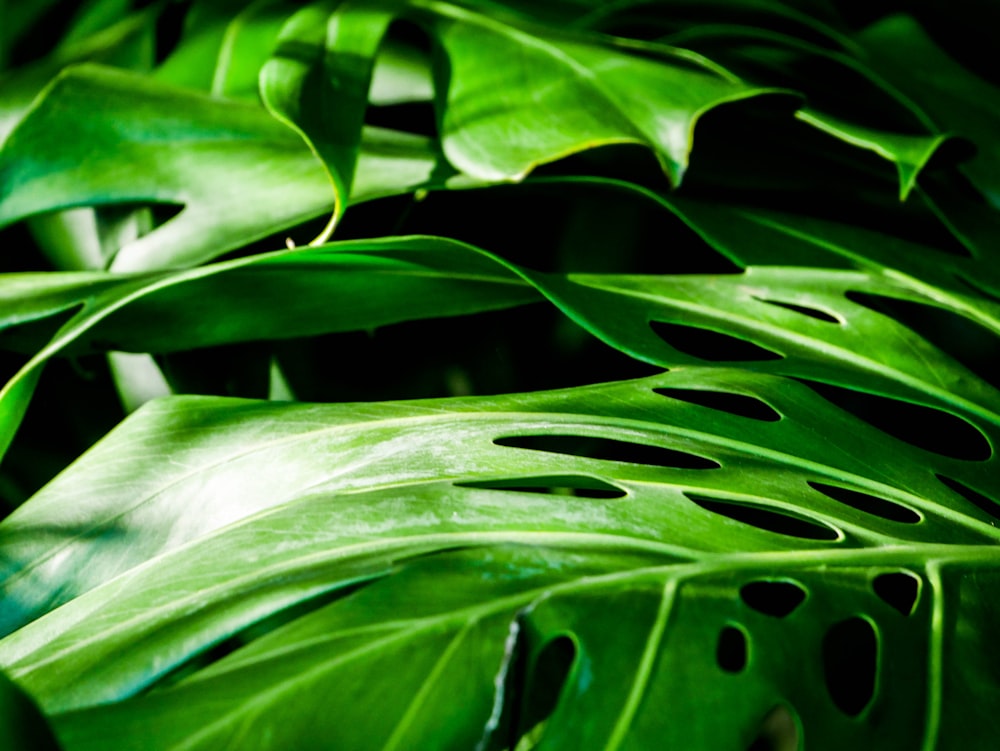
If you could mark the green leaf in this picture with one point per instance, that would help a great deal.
(889, 124)
(215, 145)
(347, 287)
(549, 95)
(659, 543)
(789, 539)
(910, 153)
(224, 45)
(956, 99)
(318, 82)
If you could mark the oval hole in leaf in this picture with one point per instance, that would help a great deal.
(735, 404)
(609, 449)
(977, 499)
(819, 315)
(569, 485)
(924, 427)
(776, 598)
(972, 344)
(778, 731)
(850, 664)
(545, 682)
(900, 589)
(766, 519)
(707, 344)
(731, 650)
(868, 504)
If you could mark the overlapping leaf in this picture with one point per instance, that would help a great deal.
(569, 563)
(954, 97)
(238, 173)
(286, 294)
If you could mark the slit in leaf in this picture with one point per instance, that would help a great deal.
(982, 502)
(568, 485)
(710, 345)
(723, 401)
(170, 29)
(819, 315)
(771, 521)
(542, 684)
(608, 449)
(924, 427)
(899, 589)
(868, 504)
(777, 598)
(850, 664)
(213, 653)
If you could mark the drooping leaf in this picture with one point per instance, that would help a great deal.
(550, 95)
(279, 295)
(318, 81)
(955, 98)
(889, 124)
(238, 173)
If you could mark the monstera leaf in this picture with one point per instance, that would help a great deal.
(774, 526)
(488, 545)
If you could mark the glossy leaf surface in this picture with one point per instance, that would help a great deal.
(786, 540)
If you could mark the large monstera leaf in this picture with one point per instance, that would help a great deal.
(581, 558)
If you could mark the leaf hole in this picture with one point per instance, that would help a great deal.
(711, 345)
(779, 731)
(546, 678)
(723, 401)
(417, 118)
(971, 344)
(161, 213)
(868, 504)
(170, 29)
(819, 315)
(924, 427)
(982, 502)
(609, 449)
(567, 485)
(766, 519)
(900, 589)
(213, 653)
(731, 650)
(777, 598)
(850, 664)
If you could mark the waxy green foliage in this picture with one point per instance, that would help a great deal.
(706, 297)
